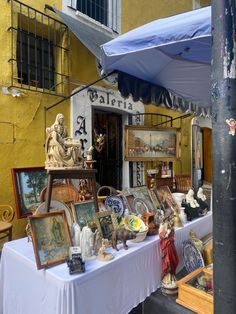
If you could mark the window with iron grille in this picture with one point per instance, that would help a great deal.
(39, 50)
(35, 60)
(105, 12)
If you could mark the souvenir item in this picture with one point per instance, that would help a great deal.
(170, 258)
(183, 216)
(61, 151)
(153, 227)
(76, 234)
(75, 262)
(102, 255)
(51, 238)
(134, 223)
(122, 234)
(202, 200)
(86, 243)
(192, 257)
(115, 203)
(54, 206)
(140, 206)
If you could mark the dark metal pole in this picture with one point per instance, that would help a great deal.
(224, 154)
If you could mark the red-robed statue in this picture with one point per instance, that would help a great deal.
(170, 258)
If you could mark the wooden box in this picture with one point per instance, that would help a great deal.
(194, 296)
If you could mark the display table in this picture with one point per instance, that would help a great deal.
(113, 287)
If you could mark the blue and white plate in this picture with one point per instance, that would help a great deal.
(115, 203)
(192, 256)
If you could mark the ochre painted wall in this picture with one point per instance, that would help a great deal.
(139, 12)
(26, 114)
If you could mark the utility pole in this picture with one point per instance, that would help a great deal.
(224, 154)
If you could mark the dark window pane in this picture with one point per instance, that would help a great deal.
(34, 59)
(96, 9)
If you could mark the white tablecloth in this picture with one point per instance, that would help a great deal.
(113, 287)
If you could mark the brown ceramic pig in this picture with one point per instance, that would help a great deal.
(121, 234)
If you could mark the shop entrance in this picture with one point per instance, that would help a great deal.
(109, 159)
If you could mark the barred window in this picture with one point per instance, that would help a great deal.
(39, 50)
(106, 12)
(35, 60)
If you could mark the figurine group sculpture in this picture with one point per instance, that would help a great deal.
(61, 150)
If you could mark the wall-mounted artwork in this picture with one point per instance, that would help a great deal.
(28, 183)
(145, 144)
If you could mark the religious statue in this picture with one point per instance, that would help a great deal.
(102, 255)
(170, 258)
(86, 243)
(191, 200)
(61, 151)
(202, 200)
(98, 145)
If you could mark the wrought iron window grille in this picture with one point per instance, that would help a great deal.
(39, 51)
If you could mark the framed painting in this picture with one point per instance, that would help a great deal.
(51, 238)
(28, 184)
(142, 192)
(84, 214)
(146, 144)
(107, 222)
(166, 199)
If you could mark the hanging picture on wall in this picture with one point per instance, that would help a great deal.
(146, 144)
(51, 238)
(28, 183)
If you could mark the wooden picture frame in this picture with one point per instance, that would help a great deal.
(107, 222)
(166, 199)
(147, 144)
(84, 214)
(51, 238)
(28, 184)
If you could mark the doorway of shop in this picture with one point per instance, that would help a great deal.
(109, 159)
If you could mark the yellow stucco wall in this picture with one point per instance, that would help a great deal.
(26, 115)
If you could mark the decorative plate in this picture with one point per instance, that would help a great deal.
(140, 206)
(115, 203)
(56, 205)
(134, 223)
(192, 256)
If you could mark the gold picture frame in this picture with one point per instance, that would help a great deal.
(150, 144)
(51, 238)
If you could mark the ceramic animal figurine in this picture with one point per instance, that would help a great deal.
(123, 235)
(102, 255)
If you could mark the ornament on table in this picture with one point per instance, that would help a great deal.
(170, 258)
(61, 150)
(197, 242)
(102, 255)
(97, 241)
(201, 198)
(86, 243)
(122, 234)
(75, 261)
(192, 208)
(76, 234)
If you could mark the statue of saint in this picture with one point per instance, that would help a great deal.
(61, 150)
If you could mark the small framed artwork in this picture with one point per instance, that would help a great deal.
(142, 192)
(107, 222)
(129, 200)
(51, 238)
(166, 199)
(84, 214)
(147, 144)
(140, 206)
(28, 184)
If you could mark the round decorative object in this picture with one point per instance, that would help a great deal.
(134, 223)
(115, 203)
(192, 257)
(140, 206)
(54, 206)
